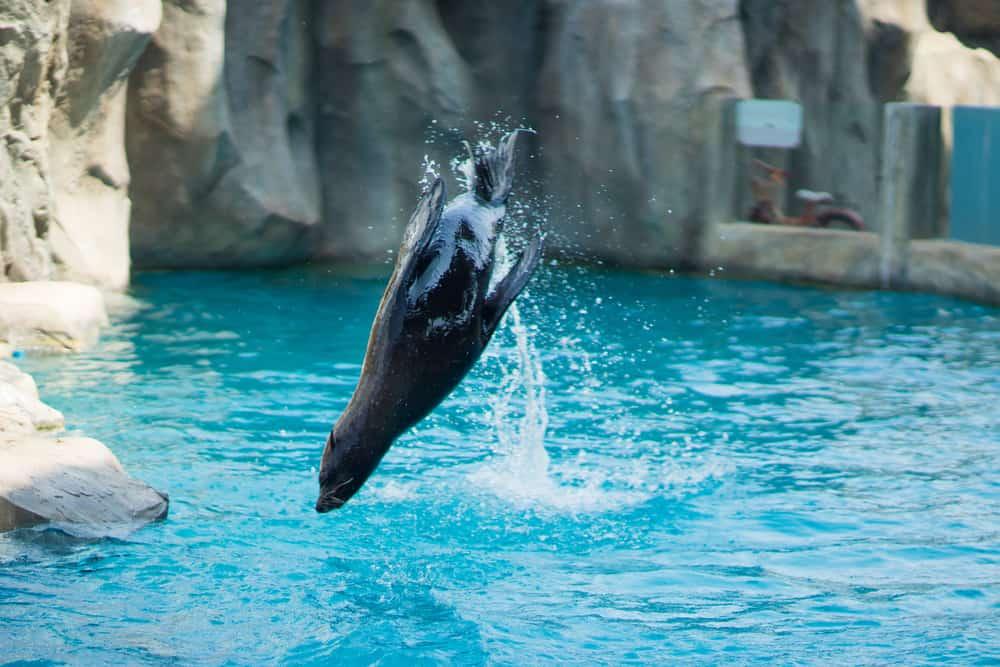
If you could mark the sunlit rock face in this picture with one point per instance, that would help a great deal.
(64, 206)
(89, 168)
(75, 483)
(309, 139)
(942, 65)
(21, 411)
(221, 137)
(266, 133)
(32, 67)
(51, 316)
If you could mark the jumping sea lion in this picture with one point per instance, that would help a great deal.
(435, 318)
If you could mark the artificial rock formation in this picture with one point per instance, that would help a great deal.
(626, 97)
(32, 67)
(263, 133)
(976, 22)
(64, 206)
(90, 237)
(220, 137)
(935, 67)
(72, 482)
(387, 72)
(400, 81)
(21, 411)
(50, 316)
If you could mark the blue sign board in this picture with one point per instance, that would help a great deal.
(975, 175)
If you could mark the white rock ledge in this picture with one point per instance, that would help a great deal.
(50, 315)
(74, 483)
(21, 411)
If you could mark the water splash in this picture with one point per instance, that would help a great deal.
(522, 441)
(431, 172)
(521, 470)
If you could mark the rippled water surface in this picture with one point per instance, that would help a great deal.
(729, 471)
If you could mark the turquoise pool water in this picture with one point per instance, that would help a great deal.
(649, 469)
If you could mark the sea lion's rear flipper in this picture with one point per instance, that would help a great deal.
(492, 173)
(510, 286)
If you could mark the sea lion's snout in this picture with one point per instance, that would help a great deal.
(333, 497)
(327, 502)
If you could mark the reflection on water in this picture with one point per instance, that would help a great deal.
(639, 467)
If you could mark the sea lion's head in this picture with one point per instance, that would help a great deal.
(343, 469)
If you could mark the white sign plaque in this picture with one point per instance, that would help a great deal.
(769, 123)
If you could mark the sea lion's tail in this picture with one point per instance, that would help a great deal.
(492, 174)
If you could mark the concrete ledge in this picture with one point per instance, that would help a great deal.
(968, 270)
(851, 259)
(794, 253)
(50, 316)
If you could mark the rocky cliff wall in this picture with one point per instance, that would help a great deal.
(271, 132)
(64, 205)
(221, 136)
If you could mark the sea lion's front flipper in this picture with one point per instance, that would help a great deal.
(416, 237)
(419, 230)
(510, 286)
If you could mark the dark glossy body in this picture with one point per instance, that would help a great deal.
(435, 319)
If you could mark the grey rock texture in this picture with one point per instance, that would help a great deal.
(64, 206)
(401, 81)
(33, 61)
(387, 71)
(625, 94)
(89, 168)
(75, 483)
(398, 81)
(272, 132)
(221, 137)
